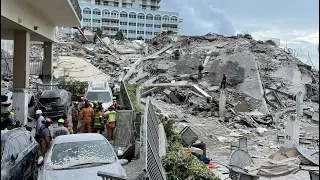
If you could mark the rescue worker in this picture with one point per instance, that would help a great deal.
(95, 105)
(111, 122)
(40, 118)
(60, 130)
(9, 122)
(66, 124)
(224, 80)
(86, 116)
(45, 136)
(75, 116)
(115, 104)
(97, 118)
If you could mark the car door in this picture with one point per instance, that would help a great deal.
(26, 152)
(14, 150)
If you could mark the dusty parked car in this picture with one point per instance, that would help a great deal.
(19, 154)
(55, 103)
(80, 157)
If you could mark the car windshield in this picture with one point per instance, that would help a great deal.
(49, 100)
(99, 96)
(71, 154)
(4, 98)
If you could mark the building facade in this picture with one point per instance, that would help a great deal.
(134, 18)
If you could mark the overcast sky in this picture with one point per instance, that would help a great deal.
(294, 22)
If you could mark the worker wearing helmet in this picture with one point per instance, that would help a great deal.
(66, 124)
(224, 80)
(40, 118)
(45, 136)
(97, 123)
(86, 117)
(75, 116)
(95, 105)
(111, 122)
(60, 130)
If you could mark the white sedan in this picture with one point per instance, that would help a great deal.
(80, 157)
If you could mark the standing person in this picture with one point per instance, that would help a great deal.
(45, 136)
(66, 124)
(200, 68)
(75, 116)
(60, 130)
(111, 118)
(97, 114)
(40, 118)
(224, 80)
(95, 105)
(86, 116)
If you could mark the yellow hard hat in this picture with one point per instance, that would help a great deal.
(11, 113)
(95, 102)
(61, 120)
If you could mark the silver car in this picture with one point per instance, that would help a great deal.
(79, 157)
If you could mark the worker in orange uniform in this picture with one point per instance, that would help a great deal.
(86, 116)
(111, 122)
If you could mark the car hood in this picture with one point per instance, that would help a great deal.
(81, 173)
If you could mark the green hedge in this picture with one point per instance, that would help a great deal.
(132, 88)
(77, 88)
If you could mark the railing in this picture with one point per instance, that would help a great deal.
(150, 144)
(35, 67)
(76, 7)
(110, 16)
(110, 24)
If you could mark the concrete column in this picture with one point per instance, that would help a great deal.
(21, 74)
(222, 104)
(292, 131)
(47, 63)
(299, 100)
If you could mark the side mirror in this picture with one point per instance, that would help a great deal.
(14, 157)
(123, 162)
(40, 161)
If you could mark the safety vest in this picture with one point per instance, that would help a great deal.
(112, 116)
(87, 114)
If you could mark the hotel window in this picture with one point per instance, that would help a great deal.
(96, 13)
(149, 17)
(153, 8)
(123, 30)
(86, 20)
(157, 26)
(132, 31)
(157, 18)
(123, 23)
(141, 24)
(86, 11)
(132, 24)
(123, 15)
(97, 2)
(140, 16)
(133, 16)
(140, 32)
(116, 4)
(148, 25)
(96, 20)
(156, 33)
(149, 33)
(105, 3)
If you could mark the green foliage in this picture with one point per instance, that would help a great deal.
(178, 164)
(131, 88)
(77, 88)
(119, 36)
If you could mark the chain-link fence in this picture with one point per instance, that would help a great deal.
(150, 144)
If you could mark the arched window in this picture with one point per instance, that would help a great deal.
(132, 15)
(115, 14)
(157, 17)
(96, 12)
(105, 13)
(86, 11)
(123, 14)
(165, 18)
(149, 17)
(141, 16)
(173, 19)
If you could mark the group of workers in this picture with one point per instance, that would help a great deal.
(92, 118)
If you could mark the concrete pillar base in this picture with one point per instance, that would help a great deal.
(292, 131)
(20, 105)
(222, 104)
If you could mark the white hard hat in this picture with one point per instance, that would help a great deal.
(39, 112)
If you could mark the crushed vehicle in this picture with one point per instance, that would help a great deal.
(55, 103)
(79, 156)
(19, 154)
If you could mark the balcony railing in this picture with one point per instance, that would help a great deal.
(110, 24)
(76, 7)
(110, 16)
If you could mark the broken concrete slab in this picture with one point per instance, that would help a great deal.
(141, 76)
(171, 96)
(315, 117)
